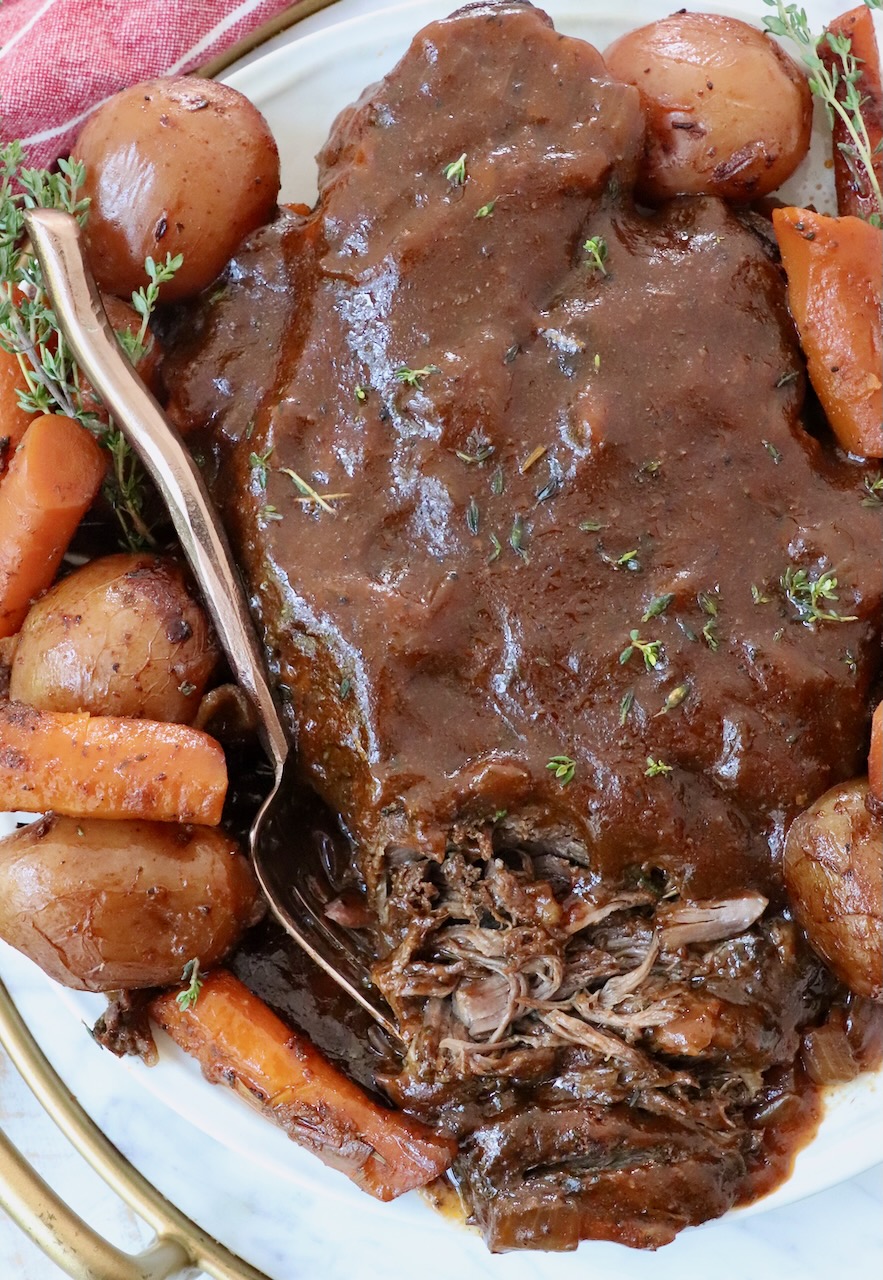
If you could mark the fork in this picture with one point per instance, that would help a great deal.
(286, 869)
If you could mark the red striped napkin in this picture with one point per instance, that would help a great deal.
(60, 58)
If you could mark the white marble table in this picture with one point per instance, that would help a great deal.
(293, 1236)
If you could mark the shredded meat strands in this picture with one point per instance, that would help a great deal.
(504, 965)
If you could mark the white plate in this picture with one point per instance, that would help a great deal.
(300, 87)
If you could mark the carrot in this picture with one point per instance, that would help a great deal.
(854, 193)
(108, 767)
(875, 755)
(835, 291)
(239, 1041)
(14, 421)
(51, 483)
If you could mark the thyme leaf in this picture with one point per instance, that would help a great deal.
(562, 768)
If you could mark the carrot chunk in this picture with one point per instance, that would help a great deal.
(854, 194)
(875, 755)
(108, 767)
(52, 482)
(14, 421)
(239, 1041)
(835, 292)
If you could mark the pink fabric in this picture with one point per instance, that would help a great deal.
(61, 58)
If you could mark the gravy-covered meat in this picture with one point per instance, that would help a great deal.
(535, 529)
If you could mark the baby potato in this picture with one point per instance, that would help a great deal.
(105, 906)
(122, 636)
(174, 166)
(728, 112)
(834, 875)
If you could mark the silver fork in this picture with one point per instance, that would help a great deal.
(285, 867)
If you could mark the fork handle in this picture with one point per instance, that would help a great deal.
(57, 242)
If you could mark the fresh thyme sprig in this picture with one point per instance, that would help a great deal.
(596, 252)
(650, 650)
(52, 382)
(414, 377)
(187, 998)
(656, 768)
(144, 301)
(808, 594)
(455, 172)
(791, 23)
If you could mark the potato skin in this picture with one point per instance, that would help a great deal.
(834, 875)
(728, 112)
(174, 165)
(121, 636)
(104, 906)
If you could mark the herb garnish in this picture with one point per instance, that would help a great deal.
(52, 380)
(674, 698)
(136, 345)
(486, 210)
(414, 377)
(656, 768)
(657, 606)
(758, 594)
(516, 538)
(307, 491)
(563, 768)
(497, 549)
(792, 23)
(472, 517)
(651, 650)
(596, 251)
(849, 659)
(269, 513)
(590, 526)
(625, 705)
(360, 393)
(874, 491)
(478, 449)
(497, 482)
(455, 172)
(806, 594)
(772, 451)
(532, 458)
(259, 465)
(187, 998)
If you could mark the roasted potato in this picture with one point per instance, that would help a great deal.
(728, 112)
(102, 906)
(122, 637)
(174, 166)
(834, 875)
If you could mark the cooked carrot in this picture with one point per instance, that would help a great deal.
(108, 767)
(835, 291)
(51, 483)
(854, 193)
(14, 421)
(875, 755)
(239, 1041)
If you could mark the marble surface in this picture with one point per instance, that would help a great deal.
(293, 1234)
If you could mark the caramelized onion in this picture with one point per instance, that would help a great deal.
(827, 1053)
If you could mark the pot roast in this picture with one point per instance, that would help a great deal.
(516, 472)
